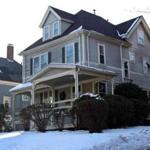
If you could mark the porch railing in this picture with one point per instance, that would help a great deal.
(63, 104)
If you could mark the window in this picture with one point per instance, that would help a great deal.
(132, 56)
(126, 69)
(40, 62)
(146, 66)
(69, 52)
(101, 54)
(55, 28)
(36, 64)
(46, 32)
(100, 88)
(7, 101)
(44, 60)
(140, 36)
(73, 91)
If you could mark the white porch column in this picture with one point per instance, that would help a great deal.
(33, 94)
(76, 78)
(13, 110)
(112, 86)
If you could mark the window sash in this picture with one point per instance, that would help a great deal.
(55, 28)
(101, 54)
(39, 62)
(140, 37)
(46, 32)
(69, 54)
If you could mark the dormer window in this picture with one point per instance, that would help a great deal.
(46, 32)
(55, 28)
(140, 37)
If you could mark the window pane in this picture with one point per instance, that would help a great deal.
(55, 28)
(101, 54)
(102, 59)
(69, 54)
(36, 65)
(46, 33)
(44, 60)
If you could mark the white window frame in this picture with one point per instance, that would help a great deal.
(39, 56)
(53, 26)
(126, 60)
(99, 44)
(44, 38)
(140, 37)
(71, 44)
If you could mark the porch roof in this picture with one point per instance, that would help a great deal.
(22, 86)
(74, 66)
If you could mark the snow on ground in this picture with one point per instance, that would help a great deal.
(136, 138)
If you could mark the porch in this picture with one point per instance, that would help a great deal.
(60, 85)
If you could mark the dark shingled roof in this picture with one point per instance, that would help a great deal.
(123, 27)
(88, 21)
(10, 70)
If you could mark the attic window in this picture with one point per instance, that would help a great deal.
(55, 28)
(140, 36)
(46, 33)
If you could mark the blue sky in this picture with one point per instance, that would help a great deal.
(20, 19)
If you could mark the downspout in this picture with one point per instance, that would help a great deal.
(121, 57)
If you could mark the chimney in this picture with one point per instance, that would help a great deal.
(10, 52)
(94, 11)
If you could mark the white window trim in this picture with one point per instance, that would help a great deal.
(46, 53)
(98, 45)
(53, 24)
(71, 44)
(128, 69)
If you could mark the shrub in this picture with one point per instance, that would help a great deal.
(121, 111)
(91, 113)
(141, 111)
(40, 115)
(25, 118)
(130, 90)
(59, 116)
(3, 112)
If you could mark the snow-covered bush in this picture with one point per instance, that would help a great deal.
(91, 111)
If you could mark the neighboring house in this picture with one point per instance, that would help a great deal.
(10, 76)
(84, 53)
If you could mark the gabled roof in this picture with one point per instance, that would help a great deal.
(10, 70)
(90, 22)
(123, 27)
(63, 14)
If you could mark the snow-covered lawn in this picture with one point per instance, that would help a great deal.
(136, 138)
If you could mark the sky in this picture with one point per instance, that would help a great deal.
(20, 19)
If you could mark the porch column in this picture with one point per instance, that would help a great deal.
(13, 110)
(112, 86)
(33, 94)
(76, 78)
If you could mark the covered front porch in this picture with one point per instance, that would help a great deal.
(60, 85)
